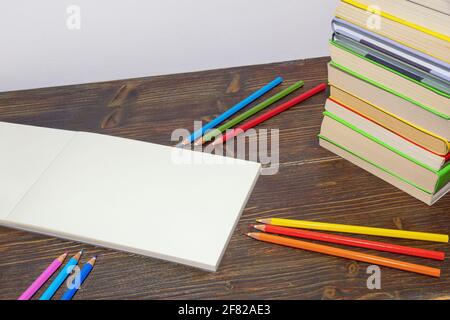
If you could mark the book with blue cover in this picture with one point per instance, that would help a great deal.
(408, 55)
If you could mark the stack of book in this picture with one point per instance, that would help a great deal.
(389, 106)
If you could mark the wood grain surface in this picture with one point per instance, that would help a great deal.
(311, 184)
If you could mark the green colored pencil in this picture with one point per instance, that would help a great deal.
(215, 132)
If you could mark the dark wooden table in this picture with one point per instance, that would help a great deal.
(312, 184)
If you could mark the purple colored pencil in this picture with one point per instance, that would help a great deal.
(44, 276)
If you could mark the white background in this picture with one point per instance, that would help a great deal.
(136, 38)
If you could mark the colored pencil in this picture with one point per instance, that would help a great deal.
(43, 277)
(391, 233)
(270, 114)
(353, 242)
(352, 255)
(227, 114)
(61, 277)
(263, 105)
(84, 273)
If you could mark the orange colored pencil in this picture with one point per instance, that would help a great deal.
(352, 255)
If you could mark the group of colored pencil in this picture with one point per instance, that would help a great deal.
(227, 131)
(72, 288)
(274, 227)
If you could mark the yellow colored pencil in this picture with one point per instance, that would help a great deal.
(391, 233)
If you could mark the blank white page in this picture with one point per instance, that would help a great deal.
(26, 152)
(134, 196)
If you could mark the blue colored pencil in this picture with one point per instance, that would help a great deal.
(61, 277)
(230, 112)
(87, 268)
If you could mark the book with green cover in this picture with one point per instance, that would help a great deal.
(389, 68)
(393, 63)
(383, 173)
(442, 176)
(426, 97)
(390, 102)
(387, 89)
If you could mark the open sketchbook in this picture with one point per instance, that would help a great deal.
(173, 204)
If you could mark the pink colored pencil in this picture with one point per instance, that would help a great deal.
(39, 282)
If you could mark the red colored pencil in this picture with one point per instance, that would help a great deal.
(353, 242)
(270, 114)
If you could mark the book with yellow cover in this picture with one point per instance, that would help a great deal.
(392, 122)
(410, 14)
(403, 21)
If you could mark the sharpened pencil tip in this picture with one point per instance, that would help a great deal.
(252, 235)
(183, 144)
(78, 255)
(62, 257)
(199, 142)
(217, 142)
(92, 260)
(260, 227)
(265, 221)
